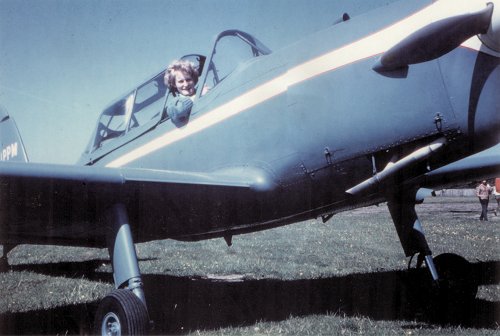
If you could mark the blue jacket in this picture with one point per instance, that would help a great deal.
(179, 109)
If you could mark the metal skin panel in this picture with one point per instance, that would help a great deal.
(279, 140)
(54, 204)
(339, 120)
(473, 168)
(477, 103)
(11, 145)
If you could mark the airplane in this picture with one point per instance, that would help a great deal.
(377, 108)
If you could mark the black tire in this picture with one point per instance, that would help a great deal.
(121, 313)
(456, 290)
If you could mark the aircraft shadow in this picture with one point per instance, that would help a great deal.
(180, 304)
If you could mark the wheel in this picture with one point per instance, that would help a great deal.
(456, 277)
(121, 313)
(456, 289)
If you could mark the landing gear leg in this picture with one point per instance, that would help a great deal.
(411, 235)
(124, 310)
(453, 280)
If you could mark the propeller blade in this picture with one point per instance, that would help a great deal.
(435, 39)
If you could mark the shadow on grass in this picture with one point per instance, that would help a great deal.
(180, 304)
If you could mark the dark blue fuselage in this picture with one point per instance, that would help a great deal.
(313, 120)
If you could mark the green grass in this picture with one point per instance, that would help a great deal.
(362, 242)
(24, 291)
(341, 325)
(300, 251)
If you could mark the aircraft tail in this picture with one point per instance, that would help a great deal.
(11, 144)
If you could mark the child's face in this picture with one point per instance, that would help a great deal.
(184, 83)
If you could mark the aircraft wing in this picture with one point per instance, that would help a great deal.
(483, 165)
(62, 204)
(17, 172)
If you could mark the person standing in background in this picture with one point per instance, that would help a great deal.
(483, 191)
(496, 193)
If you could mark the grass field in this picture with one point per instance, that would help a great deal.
(345, 277)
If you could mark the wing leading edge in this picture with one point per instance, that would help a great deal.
(62, 204)
(483, 165)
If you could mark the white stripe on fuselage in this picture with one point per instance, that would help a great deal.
(366, 47)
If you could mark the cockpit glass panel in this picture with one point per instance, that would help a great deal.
(142, 107)
(231, 52)
(149, 101)
(232, 48)
(114, 120)
(136, 109)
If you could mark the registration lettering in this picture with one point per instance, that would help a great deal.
(9, 152)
